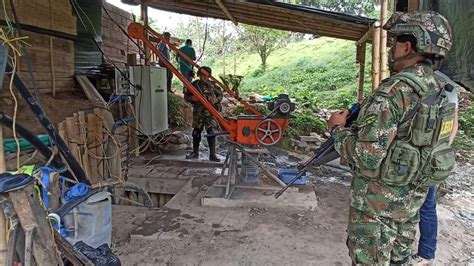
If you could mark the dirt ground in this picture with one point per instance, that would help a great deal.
(185, 233)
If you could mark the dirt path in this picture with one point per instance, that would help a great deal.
(196, 235)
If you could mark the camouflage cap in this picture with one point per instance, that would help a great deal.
(431, 30)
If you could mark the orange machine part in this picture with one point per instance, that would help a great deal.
(242, 130)
(247, 132)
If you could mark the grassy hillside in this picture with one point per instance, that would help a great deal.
(318, 73)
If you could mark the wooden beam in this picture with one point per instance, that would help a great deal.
(383, 41)
(3, 231)
(413, 5)
(361, 61)
(72, 254)
(226, 12)
(144, 16)
(376, 56)
(33, 219)
(365, 37)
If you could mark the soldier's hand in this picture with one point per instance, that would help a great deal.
(338, 118)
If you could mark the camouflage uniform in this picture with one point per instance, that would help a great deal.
(202, 118)
(382, 216)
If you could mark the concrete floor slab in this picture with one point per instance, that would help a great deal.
(260, 198)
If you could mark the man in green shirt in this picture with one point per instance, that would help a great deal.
(185, 67)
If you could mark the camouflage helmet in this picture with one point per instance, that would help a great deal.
(431, 30)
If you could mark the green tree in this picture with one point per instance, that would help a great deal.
(262, 40)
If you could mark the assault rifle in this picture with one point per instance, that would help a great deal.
(323, 154)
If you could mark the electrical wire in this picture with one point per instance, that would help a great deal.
(123, 30)
(27, 56)
(5, 15)
(15, 111)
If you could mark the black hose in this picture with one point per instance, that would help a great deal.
(50, 129)
(35, 141)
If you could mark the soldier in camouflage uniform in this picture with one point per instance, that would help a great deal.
(398, 146)
(202, 118)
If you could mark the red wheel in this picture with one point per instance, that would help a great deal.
(268, 132)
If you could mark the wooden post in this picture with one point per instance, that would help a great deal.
(55, 190)
(144, 15)
(93, 144)
(235, 64)
(383, 41)
(3, 232)
(51, 50)
(223, 47)
(413, 5)
(361, 61)
(376, 56)
(51, 58)
(33, 219)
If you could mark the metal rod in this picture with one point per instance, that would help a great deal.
(231, 170)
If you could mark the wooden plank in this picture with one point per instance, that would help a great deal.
(81, 117)
(383, 41)
(72, 132)
(55, 190)
(376, 56)
(92, 144)
(367, 35)
(53, 78)
(226, 12)
(100, 148)
(90, 91)
(361, 51)
(3, 231)
(33, 217)
(413, 5)
(72, 254)
(309, 139)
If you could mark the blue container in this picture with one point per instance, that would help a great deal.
(286, 175)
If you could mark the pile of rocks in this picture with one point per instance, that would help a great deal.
(175, 141)
(309, 143)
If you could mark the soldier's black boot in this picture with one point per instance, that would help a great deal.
(212, 149)
(196, 142)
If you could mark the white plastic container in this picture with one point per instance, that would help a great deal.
(90, 221)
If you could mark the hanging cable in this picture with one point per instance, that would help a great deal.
(27, 56)
(15, 112)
